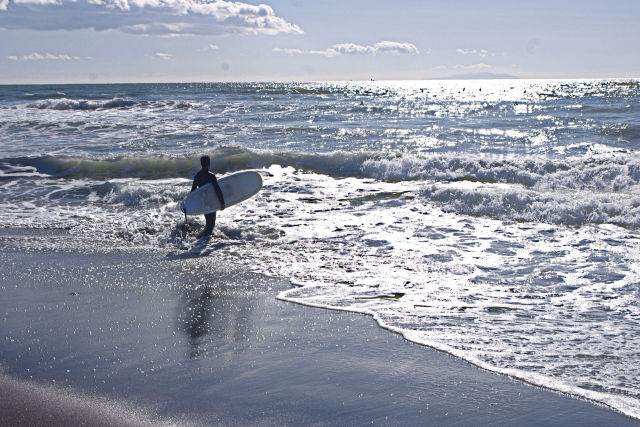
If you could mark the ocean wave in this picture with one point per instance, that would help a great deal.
(226, 159)
(144, 167)
(133, 194)
(513, 203)
(595, 170)
(81, 104)
(67, 104)
(15, 171)
(610, 171)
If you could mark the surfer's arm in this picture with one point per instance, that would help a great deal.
(214, 181)
(195, 185)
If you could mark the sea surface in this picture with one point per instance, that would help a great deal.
(497, 220)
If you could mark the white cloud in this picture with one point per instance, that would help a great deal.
(352, 49)
(394, 48)
(34, 1)
(480, 52)
(35, 56)
(165, 56)
(214, 47)
(160, 17)
(327, 52)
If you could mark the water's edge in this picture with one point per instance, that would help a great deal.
(533, 379)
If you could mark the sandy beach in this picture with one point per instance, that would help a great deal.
(131, 337)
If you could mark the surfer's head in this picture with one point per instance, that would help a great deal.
(205, 161)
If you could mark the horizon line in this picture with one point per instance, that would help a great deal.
(463, 77)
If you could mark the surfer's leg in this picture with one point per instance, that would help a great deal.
(210, 223)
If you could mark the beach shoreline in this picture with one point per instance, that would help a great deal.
(179, 339)
(596, 398)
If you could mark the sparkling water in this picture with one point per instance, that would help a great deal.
(495, 220)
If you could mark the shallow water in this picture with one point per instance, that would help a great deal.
(495, 220)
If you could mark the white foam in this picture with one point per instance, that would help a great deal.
(81, 104)
(598, 169)
(526, 299)
(494, 220)
(626, 405)
(529, 300)
(517, 203)
(612, 170)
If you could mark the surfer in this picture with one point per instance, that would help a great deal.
(204, 177)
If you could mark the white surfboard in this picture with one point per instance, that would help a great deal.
(235, 188)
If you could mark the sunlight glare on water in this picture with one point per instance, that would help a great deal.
(495, 220)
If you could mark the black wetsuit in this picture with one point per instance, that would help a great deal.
(204, 177)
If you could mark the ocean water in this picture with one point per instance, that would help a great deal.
(498, 221)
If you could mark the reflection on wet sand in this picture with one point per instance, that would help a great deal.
(195, 317)
(212, 320)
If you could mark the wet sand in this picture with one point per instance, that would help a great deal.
(134, 338)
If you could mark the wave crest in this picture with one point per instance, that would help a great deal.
(66, 104)
(81, 104)
(617, 172)
(520, 204)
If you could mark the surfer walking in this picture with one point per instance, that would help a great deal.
(204, 177)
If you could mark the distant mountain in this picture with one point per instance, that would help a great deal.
(479, 76)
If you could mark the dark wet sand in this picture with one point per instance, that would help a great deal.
(135, 338)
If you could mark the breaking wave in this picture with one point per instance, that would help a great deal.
(612, 172)
(80, 104)
(64, 104)
(573, 208)
(574, 191)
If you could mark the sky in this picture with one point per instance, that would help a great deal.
(106, 41)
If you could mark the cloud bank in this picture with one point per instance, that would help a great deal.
(153, 17)
(394, 48)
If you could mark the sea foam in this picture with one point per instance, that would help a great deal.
(495, 220)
